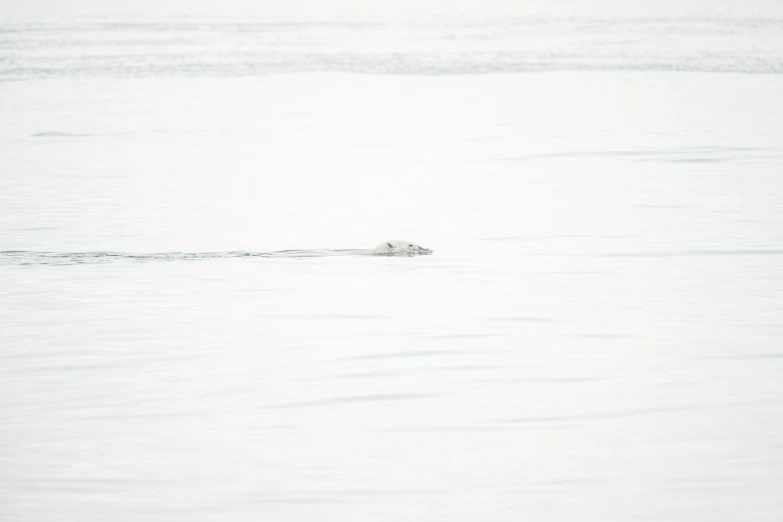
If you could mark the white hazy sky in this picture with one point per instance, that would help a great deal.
(373, 10)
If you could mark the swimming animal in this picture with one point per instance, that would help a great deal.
(396, 247)
(399, 247)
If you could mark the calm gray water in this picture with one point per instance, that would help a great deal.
(185, 333)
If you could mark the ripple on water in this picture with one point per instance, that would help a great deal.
(24, 258)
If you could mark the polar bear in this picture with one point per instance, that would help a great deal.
(399, 247)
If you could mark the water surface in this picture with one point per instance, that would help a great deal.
(597, 335)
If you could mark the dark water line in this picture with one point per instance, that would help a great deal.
(25, 258)
(669, 253)
(77, 258)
